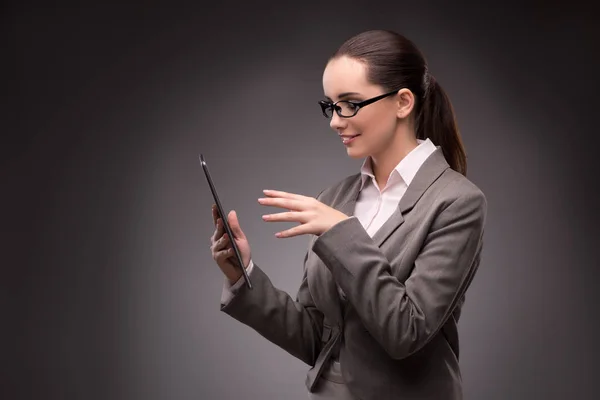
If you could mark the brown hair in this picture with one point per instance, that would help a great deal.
(394, 62)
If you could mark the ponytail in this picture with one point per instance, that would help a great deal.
(437, 122)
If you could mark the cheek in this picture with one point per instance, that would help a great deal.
(376, 126)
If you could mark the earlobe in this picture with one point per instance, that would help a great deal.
(405, 102)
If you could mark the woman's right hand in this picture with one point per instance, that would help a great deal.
(222, 250)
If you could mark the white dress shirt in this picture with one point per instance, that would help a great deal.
(373, 206)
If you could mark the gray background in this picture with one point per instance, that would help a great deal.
(108, 287)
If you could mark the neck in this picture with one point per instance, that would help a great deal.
(385, 161)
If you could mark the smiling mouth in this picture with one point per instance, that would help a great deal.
(348, 139)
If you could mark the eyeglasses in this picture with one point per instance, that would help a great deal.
(348, 108)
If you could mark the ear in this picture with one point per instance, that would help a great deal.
(405, 100)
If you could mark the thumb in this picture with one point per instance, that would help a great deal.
(235, 224)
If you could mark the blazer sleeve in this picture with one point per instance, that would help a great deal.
(404, 316)
(294, 325)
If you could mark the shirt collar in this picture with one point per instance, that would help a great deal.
(407, 168)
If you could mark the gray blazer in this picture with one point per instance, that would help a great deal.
(396, 331)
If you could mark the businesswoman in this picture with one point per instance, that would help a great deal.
(393, 247)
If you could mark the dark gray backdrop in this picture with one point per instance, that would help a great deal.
(108, 287)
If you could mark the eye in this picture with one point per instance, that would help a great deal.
(346, 108)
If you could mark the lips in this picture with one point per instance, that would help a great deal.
(348, 138)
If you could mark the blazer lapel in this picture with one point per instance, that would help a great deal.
(350, 195)
(431, 169)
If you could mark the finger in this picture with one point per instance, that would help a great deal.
(223, 255)
(295, 231)
(285, 195)
(234, 223)
(290, 204)
(291, 216)
(220, 243)
(218, 230)
(215, 213)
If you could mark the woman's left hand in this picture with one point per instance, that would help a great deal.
(314, 217)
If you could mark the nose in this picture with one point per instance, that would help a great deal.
(337, 122)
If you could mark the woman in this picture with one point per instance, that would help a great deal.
(394, 247)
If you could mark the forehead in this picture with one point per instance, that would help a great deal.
(345, 74)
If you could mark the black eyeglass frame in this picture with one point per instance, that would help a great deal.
(325, 105)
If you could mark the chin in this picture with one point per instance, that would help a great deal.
(356, 153)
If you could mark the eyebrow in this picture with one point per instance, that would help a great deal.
(345, 94)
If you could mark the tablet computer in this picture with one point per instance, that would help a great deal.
(223, 215)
